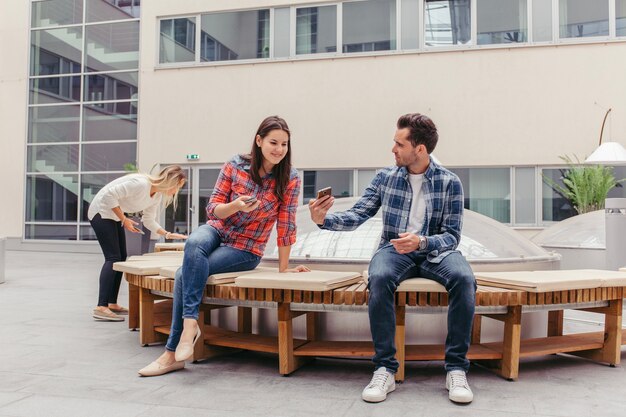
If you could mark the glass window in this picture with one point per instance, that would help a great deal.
(51, 197)
(87, 233)
(178, 40)
(100, 10)
(409, 27)
(447, 22)
(281, 32)
(52, 158)
(101, 125)
(117, 86)
(54, 90)
(619, 191)
(340, 180)
(56, 13)
(502, 21)
(583, 18)
(542, 20)
(525, 182)
(487, 191)
(53, 124)
(56, 51)
(365, 178)
(316, 30)
(113, 46)
(555, 207)
(620, 17)
(208, 178)
(49, 231)
(90, 185)
(369, 26)
(235, 35)
(108, 156)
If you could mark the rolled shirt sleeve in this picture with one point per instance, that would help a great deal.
(286, 220)
(221, 191)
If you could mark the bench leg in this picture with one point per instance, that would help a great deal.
(476, 329)
(203, 351)
(244, 319)
(287, 361)
(147, 335)
(611, 351)
(555, 323)
(400, 342)
(509, 365)
(133, 307)
(311, 326)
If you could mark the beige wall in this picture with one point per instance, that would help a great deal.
(13, 100)
(494, 107)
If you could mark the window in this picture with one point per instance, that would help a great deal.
(316, 30)
(447, 22)
(583, 18)
(620, 17)
(342, 182)
(487, 191)
(555, 207)
(177, 40)
(369, 26)
(542, 20)
(525, 184)
(235, 35)
(502, 21)
(56, 12)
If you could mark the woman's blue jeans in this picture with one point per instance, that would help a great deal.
(388, 269)
(204, 256)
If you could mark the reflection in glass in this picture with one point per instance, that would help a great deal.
(56, 51)
(447, 22)
(208, 178)
(51, 232)
(620, 17)
(108, 156)
(113, 46)
(51, 197)
(53, 124)
(177, 40)
(542, 20)
(54, 90)
(90, 185)
(100, 125)
(340, 180)
(409, 24)
(555, 206)
(316, 30)
(369, 26)
(281, 32)
(235, 35)
(100, 10)
(583, 18)
(52, 158)
(487, 191)
(117, 86)
(56, 13)
(179, 220)
(502, 21)
(525, 195)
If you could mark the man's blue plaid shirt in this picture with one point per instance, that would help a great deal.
(390, 189)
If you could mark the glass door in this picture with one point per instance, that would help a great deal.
(180, 221)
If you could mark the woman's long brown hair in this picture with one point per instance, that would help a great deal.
(282, 170)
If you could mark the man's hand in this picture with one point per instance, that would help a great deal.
(408, 242)
(319, 208)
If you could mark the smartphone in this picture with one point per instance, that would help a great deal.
(250, 200)
(140, 231)
(324, 192)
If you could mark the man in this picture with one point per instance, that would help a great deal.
(422, 205)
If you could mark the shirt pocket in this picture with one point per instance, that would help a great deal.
(238, 189)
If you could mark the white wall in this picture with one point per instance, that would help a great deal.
(13, 99)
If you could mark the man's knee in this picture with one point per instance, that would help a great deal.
(381, 283)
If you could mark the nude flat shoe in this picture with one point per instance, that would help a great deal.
(184, 350)
(119, 311)
(106, 315)
(156, 369)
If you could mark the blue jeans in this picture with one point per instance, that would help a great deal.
(204, 256)
(388, 269)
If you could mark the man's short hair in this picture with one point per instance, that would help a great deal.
(422, 130)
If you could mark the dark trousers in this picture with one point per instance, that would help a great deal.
(112, 240)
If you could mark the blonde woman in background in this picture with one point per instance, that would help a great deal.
(128, 194)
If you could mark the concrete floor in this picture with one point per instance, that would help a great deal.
(55, 360)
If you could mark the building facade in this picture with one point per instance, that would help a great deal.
(94, 88)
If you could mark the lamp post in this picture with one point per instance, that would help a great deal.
(612, 154)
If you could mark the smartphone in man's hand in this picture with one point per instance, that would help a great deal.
(324, 192)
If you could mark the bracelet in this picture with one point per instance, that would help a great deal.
(124, 220)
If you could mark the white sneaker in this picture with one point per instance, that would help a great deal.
(459, 389)
(382, 383)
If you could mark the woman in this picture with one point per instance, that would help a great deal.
(251, 194)
(128, 194)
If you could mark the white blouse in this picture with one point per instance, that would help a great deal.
(132, 194)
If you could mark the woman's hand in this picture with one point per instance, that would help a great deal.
(175, 236)
(241, 205)
(299, 268)
(130, 225)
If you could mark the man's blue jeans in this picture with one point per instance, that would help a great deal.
(203, 256)
(388, 269)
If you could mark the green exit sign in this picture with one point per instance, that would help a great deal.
(193, 156)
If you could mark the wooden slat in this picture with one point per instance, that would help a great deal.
(556, 344)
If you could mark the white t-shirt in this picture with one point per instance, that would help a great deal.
(418, 204)
(132, 194)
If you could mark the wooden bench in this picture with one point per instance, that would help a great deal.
(506, 305)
